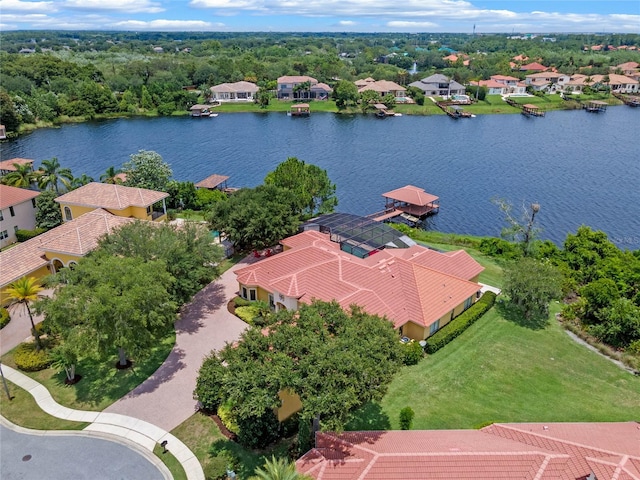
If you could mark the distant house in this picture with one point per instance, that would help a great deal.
(117, 199)
(234, 92)
(439, 85)
(533, 67)
(617, 83)
(59, 247)
(383, 87)
(418, 289)
(8, 166)
(517, 451)
(17, 212)
(288, 88)
(627, 68)
(157, 49)
(453, 58)
(549, 82)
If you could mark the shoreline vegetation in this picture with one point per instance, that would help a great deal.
(493, 104)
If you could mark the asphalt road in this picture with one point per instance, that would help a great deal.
(71, 456)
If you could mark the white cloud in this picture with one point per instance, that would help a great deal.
(168, 25)
(403, 25)
(346, 23)
(18, 6)
(128, 6)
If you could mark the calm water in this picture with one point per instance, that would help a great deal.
(582, 168)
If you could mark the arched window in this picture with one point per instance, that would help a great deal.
(67, 214)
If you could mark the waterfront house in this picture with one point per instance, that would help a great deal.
(628, 68)
(549, 82)
(59, 247)
(383, 87)
(367, 264)
(3, 132)
(292, 87)
(517, 451)
(234, 92)
(617, 83)
(8, 166)
(439, 85)
(117, 199)
(17, 212)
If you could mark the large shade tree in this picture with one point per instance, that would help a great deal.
(256, 217)
(147, 169)
(309, 183)
(117, 303)
(335, 360)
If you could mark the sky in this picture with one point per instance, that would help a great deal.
(411, 16)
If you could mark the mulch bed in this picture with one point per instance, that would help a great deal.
(75, 380)
(231, 306)
(129, 364)
(224, 430)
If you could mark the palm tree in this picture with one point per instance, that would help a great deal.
(111, 176)
(78, 182)
(22, 177)
(278, 469)
(51, 174)
(25, 291)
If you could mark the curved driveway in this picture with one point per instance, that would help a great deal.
(166, 398)
(30, 454)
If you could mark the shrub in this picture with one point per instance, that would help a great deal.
(29, 359)
(217, 466)
(498, 247)
(412, 353)
(459, 324)
(406, 418)
(241, 302)
(209, 391)
(4, 317)
(227, 417)
(259, 431)
(248, 313)
(24, 235)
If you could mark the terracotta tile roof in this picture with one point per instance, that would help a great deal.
(75, 237)
(412, 195)
(235, 87)
(486, 454)
(505, 77)
(386, 284)
(114, 197)
(533, 66)
(457, 263)
(382, 86)
(10, 196)
(627, 66)
(8, 165)
(212, 181)
(296, 79)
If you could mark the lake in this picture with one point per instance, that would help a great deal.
(581, 168)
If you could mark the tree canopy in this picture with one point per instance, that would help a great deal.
(309, 183)
(48, 214)
(335, 360)
(147, 169)
(256, 217)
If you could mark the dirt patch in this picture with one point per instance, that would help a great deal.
(75, 380)
(129, 364)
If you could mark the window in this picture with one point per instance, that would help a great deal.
(149, 210)
(272, 302)
(252, 295)
(33, 202)
(67, 214)
(11, 211)
(1, 216)
(435, 326)
(244, 292)
(16, 228)
(4, 234)
(468, 302)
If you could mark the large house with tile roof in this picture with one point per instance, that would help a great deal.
(419, 290)
(558, 451)
(383, 87)
(234, 92)
(439, 85)
(117, 199)
(287, 88)
(59, 247)
(17, 212)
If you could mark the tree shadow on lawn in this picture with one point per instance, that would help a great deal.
(369, 417)
(510, 312)
(102, 383)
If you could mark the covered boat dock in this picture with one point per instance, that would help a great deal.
(595, 106)
(411, 203)
(300, 110)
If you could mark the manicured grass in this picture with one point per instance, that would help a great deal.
(23, 410)
(191, 215)
(275, 106)
(101, 384)
(171, 462)
(200, 433)
(502, 371)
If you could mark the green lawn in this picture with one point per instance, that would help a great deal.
(101, 384)
(274, 106)
(501, 371)
(171, 462)
(200, 433)
(24, 411)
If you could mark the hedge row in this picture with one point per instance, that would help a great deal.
(459, 324)
(24, 235)
(4, 317)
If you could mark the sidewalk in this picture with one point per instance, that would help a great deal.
(133, 429)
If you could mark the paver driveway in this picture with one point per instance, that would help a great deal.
(166, 398)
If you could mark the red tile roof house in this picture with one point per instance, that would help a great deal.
(418, 289)
(383, 87)
(8, 166)
(17, 212)
(233, 92)
(286, 89)
(533, 67)
(550, 82)
(534, 451)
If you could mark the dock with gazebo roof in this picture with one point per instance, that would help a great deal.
(409, 202)
(216, 182)
(595, 106)
(300, 110)
(530, 110)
